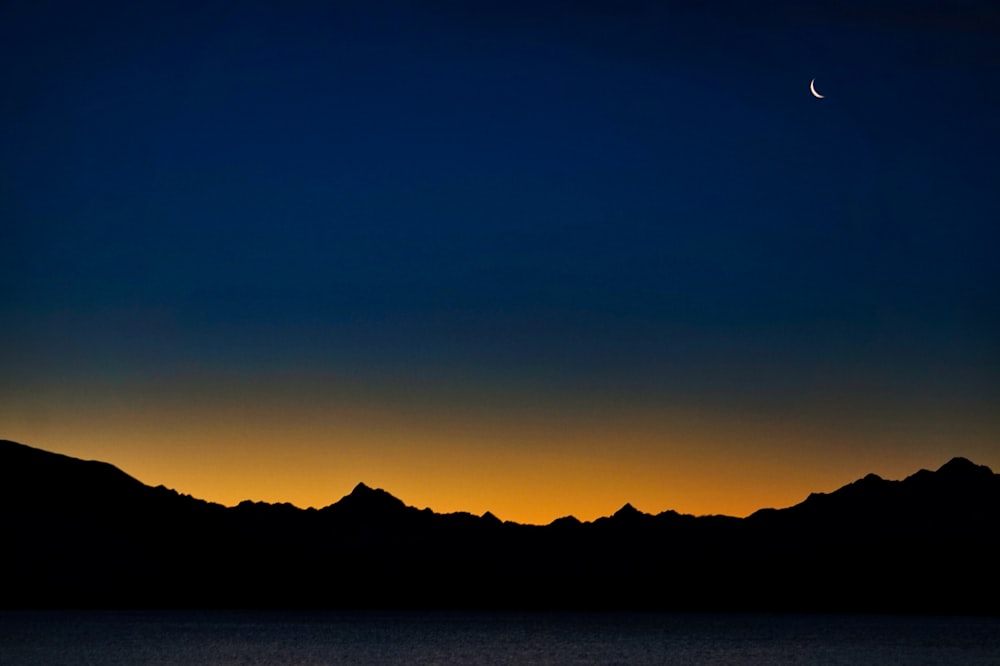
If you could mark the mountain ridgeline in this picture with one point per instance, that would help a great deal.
(84, 534)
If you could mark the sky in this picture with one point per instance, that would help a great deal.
(534, 258)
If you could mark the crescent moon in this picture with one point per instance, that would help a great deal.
(812, 89)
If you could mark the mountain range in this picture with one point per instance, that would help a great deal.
(83, 534)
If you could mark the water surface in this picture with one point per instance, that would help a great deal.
(308, 638)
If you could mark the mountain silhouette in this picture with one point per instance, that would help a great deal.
(85, 534)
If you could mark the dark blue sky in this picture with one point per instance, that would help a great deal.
(634, 200)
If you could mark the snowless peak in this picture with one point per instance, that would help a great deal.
(959, 465)
(627, 511)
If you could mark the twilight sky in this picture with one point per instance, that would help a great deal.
(536, 258)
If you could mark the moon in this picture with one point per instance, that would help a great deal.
(812, 89)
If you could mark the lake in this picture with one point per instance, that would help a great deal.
(220, 638)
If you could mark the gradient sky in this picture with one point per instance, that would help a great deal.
(537, 258)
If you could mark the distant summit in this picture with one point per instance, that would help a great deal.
(364, 496)
(364, 503)
(963, 467)
(85, 534)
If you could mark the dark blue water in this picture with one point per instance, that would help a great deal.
(276, 639)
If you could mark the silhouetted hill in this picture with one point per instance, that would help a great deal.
(368, 505)
(81, 533)
(39, 477)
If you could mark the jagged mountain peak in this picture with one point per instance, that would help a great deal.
(963, 466)
(566, 521)
(365, 499)
(628, 511)
(366, 492)
(489, 517)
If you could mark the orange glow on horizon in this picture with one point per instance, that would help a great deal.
(519, 461)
